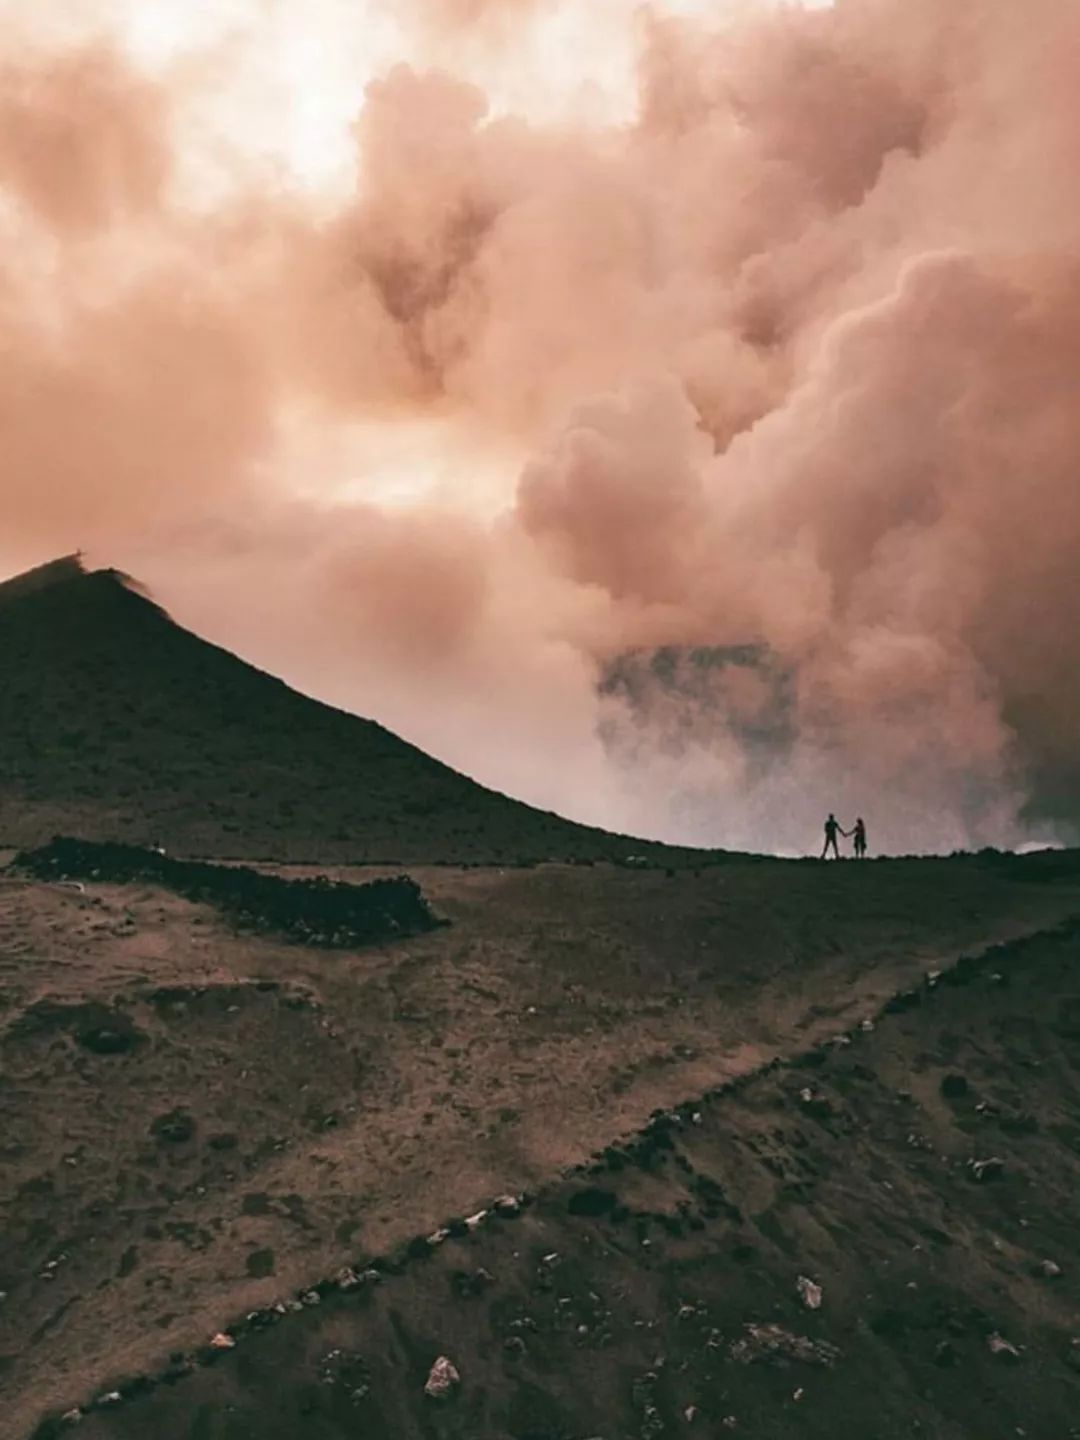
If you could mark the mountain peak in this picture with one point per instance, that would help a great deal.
(118, 724)
(41, 577)
(64, 574)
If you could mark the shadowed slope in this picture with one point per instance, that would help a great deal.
(117, 723)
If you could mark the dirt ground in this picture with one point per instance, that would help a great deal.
(273, 1112)
(877, 1240)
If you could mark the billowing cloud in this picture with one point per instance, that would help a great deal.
(82, 140)
(758, 399)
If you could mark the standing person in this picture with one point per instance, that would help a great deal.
(832, 829)
(859, 833)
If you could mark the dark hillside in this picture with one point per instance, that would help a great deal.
(118, 724)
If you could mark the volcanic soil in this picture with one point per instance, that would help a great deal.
(272, 1112)
(876, 1239)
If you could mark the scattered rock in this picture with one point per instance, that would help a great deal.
(772, 1344)
(443, 1381)
(346, 1371)
(644, 1398)
(1046, 1269)
(810, 1294)
(984, 1170)
(1004, 1349)
(222, 1341)
(508, 1207)
(815, 1104)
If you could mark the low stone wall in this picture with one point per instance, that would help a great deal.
(314, 911)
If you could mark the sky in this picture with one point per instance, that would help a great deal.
(664, 413)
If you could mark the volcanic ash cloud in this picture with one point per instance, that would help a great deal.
(760, 393)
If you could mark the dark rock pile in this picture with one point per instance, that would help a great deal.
(315, 912)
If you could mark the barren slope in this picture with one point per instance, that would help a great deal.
(876, 1241)
(282, 1110)
(117, 724)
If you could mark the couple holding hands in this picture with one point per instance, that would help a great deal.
(834, 828)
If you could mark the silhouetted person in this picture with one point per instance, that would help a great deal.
(832, 829)
(859, 833)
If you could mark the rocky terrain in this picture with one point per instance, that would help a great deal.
(874, 1237)
(314, 911)
(275, 1111)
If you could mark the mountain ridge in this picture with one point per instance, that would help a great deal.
(117, 723)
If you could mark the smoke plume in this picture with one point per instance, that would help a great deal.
(668, 418)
